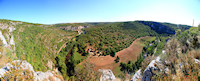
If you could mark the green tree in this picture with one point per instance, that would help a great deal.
(70, 66)
(117, 59)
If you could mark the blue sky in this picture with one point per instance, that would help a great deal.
(69, 11)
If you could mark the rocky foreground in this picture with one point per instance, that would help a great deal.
(21, 70)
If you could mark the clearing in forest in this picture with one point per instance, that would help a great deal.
(128, 54)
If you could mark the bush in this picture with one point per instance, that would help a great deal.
(87, 73)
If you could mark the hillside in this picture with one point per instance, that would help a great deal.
(37, 43)
(119, 46)
(103, 43)
(114, 37)
(163, 28)
(179, 60)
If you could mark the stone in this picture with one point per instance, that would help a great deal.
(38, 76)
(147, 74)
(41, 76)
(107, 75)
(137, 75)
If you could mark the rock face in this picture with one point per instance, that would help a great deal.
(3, 39)
(38, 76)
(107, 75)
(73, 28)
(137, 75)
(159, 28)
(147, 74)
(49, 76)
(24, 65)
(6, 35)
(196, 60)
(78, 29)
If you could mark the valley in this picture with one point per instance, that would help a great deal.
(100, 40)
(121, 47)
(128, 54)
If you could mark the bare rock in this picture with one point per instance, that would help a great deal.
(148, 72)
(49, 76)
(38, 76)
(137, 75)
(3, 39)
(107, 75)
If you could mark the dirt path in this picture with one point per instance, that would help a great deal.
(107, 62)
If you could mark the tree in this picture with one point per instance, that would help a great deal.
(70, 66)
(183, 41)
(112, 52)
(117, 59)
(129, 62)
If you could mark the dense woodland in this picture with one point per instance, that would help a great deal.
(112, 38)
(39, 44)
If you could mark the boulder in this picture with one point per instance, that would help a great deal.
(147, 74)
(107, 75)
(49, 76)
(24, 65)
(137, 75)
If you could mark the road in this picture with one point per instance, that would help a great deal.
(63, 46)
(145, 55)
(156, 47)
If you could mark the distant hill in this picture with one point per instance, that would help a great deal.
(162, 28)
(123, 33)
(159, 27)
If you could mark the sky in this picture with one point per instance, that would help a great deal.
(75, 11)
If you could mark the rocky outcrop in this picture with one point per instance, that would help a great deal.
(196, 60)
(49, 76)
(3, 39)
(137, 75)
(10, 27)
(107, 75)
(78, 28)
(24, 65)
(148, 72)
(6, 34)
(73, 28)
(159, 28)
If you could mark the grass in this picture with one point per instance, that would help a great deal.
(117, 71)
(77, 56)
(80, 66)
(150, 39)
(143, 40)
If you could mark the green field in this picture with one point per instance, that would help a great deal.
(146, 39)
(117, 71)
(150, 39)
(77, 57)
